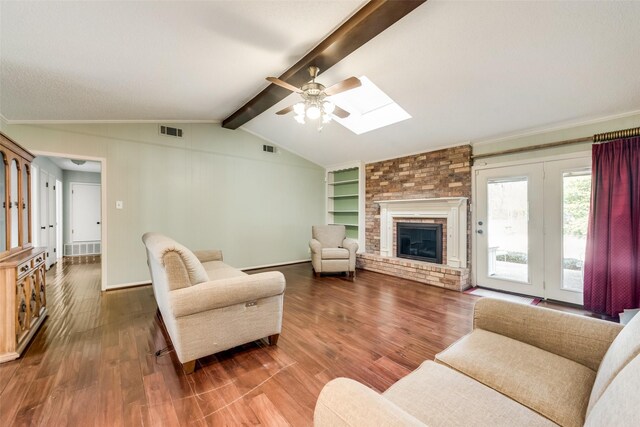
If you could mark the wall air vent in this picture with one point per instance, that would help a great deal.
(269, 149)
(169, 131)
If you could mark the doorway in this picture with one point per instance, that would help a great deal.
(530, 227)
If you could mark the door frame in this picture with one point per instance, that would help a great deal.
(71, 184)
(481, 165)
(103, 201)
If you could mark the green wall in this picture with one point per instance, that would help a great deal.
(214, 188)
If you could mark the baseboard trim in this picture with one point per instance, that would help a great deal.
(146, 282)
(126, 285)
(278, 264)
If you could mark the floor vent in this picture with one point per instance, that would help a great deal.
(269, 149)
(83, 248)
(169, 131)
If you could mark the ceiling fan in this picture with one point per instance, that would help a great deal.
(314, 102)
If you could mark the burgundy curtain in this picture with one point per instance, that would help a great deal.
(612, 264)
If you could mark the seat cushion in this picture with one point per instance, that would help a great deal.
(619, 404)
(219, 270)
(623, 349)
(334, 253)
(439, 396)
(551, 385)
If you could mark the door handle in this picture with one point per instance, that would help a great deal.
(98, 222)
(479, 231)
(43, 228)
(51, 226)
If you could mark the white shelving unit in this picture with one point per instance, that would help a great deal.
(345, 199)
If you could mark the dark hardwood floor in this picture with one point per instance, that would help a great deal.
(93, 363)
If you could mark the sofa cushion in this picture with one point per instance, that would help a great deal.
(624, 348)
(334, 253)
(439, 396)
(329, 235)
(158, 245)
(551, 385)
(619, 404)
(219, 270)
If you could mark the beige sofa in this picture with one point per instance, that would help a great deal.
(208, 306)
(521, 366)
(332, 251)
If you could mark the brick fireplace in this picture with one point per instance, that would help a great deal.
(431, 188)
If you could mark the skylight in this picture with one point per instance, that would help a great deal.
(370, 108)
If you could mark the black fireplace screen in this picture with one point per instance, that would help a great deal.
(419, 241)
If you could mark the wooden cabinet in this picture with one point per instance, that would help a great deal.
(22, 268)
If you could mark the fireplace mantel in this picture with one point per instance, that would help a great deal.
(454, 209)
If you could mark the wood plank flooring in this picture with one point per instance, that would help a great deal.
(93, 363)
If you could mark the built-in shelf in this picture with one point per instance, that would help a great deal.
(348, 181)
(344, 196)
(345, 199)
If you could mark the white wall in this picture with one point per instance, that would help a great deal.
(70, 177)
(214, 188)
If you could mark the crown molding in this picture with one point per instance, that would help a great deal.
(88, 122)
(553, 128)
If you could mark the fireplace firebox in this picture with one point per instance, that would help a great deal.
(418, 241)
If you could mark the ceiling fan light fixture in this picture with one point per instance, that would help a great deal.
(299, 118)
(328, 107)
(299, 108)
(313, 112)
(78, 162)
(326, 118)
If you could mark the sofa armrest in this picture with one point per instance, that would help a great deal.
(350, 244)
(582, 339)
(345, 402)
(208, 255)
(315, 246)
(225, 292)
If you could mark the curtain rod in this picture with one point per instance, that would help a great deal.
(601, 137)
(608, 136)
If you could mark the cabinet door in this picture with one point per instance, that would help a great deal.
(3, 202)
(14, 218)
(23, 316)
(25, 184)
(41, 286)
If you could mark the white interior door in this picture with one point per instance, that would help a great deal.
(508, 229)
(59, 219)
(85, 212)
(52, 226)
(43, 196)
(567, 193)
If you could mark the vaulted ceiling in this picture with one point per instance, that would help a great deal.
(465, 71)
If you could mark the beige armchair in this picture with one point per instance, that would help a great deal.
(208, 306)
(332, 251)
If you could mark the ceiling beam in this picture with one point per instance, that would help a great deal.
(372, 19)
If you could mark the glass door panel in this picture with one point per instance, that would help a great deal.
(508, 239)
(567, 200)
(3, 205)
(13, 204)
(507, 228)
(26, 186)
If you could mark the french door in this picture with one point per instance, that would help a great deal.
(530, 228)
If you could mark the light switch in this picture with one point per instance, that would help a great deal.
(119, 204)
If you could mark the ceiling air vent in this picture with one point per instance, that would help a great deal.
(269, 149)
(169, 131)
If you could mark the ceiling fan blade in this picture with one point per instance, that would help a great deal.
(339, 112)
(282, 83)
(343, 86)
(285, 110)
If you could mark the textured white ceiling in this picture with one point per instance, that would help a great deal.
(67, 164)
(151, 60)
(465, 71)
(468, 71)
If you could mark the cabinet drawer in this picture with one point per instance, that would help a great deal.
(37, 260)
(24, 268)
